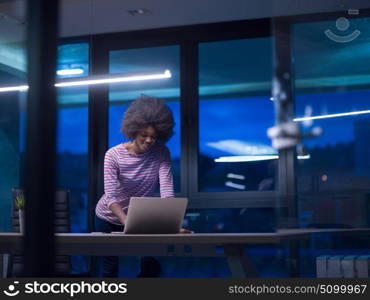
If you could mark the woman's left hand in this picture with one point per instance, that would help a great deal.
(183, 230)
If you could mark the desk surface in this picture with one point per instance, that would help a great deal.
(323, 230)
(126, 244)
(114, 244)
(195, 238)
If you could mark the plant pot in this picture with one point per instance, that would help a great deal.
(21, 220)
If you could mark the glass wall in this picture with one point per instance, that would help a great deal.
(146, 61)
(72, 138)
(331, 63)
(72, 134)
(73, 60)
(235, 112)
(332, 83)
(13, 67)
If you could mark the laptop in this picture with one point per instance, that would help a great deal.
(148, 215)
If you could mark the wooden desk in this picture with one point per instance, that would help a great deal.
(229, 245)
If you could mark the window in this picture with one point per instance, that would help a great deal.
(12, 104)
(73, 60)
(332, 78)
(235, 111)
(72, 172)
(146, 60)
(72, 139)
(72, 135)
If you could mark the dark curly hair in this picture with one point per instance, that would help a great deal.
(148, 111)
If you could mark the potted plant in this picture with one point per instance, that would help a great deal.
(20, 204)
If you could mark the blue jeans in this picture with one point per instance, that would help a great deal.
(149, 266)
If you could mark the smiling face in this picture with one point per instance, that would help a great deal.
(145, 139)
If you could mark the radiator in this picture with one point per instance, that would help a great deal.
(343, 266)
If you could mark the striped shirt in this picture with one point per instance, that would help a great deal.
(129, 175)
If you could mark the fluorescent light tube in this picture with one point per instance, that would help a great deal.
(97, 80)
(245, 158)
(248, 158)
(66, 72)
(14, 88)
(360, 112)
(113, 79)
(235, 185)
(235, 176)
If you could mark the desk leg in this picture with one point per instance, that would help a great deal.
(293, 259)
(4, 265)
(240, 264)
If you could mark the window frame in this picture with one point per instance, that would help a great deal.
(188, 39)
(91, 127)
(288, 193)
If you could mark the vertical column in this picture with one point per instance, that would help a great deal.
(39, 172)
(282, 92)
(98, 127)
(189, 117)
(190, 109)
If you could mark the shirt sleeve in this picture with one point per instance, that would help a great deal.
(165, 175)
(111, 171)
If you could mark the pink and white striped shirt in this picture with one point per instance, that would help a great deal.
(129, 175)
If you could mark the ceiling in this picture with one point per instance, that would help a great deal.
(103, 16)
(85, 17)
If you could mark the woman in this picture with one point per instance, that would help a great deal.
(132, 169)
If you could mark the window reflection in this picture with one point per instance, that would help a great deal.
(13, 64)
(120, 95)
(235, 111)
(72, 140)
(332, 83)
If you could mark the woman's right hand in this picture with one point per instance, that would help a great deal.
(118, 212)
(184, 230)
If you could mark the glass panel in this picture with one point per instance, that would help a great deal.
(72, 141)
(146, 60)
(12, 104)
(72, 174)
(235, 111)
(332, 83)
(73, 60)
(332, 66)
